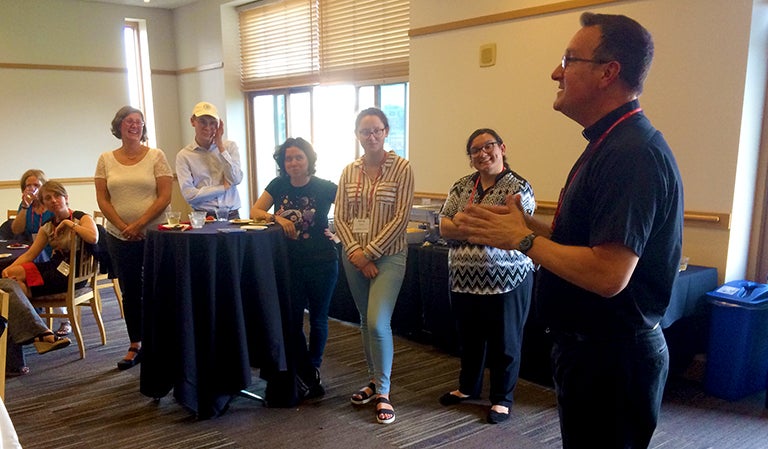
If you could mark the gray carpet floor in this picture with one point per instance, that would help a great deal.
(66, 402)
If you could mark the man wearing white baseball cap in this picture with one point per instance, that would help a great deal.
(209, 168)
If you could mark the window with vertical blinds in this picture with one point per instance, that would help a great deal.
(304, 42)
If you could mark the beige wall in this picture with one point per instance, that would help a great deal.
(58, 120)
(694, 95)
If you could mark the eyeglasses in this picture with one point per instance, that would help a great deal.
(207, 122)
(569, 59)
(133, 122)
(485, 148)
(378, 132)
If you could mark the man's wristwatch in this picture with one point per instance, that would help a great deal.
(526, 243)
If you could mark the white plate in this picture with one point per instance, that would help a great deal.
(4, 255)
(17, 246)
(240, 221)
(253, 227)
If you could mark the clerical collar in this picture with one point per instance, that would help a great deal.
(595, 131)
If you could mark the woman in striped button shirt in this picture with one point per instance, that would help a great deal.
(373, 203)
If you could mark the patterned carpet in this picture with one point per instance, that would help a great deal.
(66, 402)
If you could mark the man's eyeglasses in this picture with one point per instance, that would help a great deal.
(133, 122)
(486, 148)
(207, 122)
(378, 132)
(569, 59)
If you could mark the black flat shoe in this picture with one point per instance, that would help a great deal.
(362, 396)
(451, 399)
(495, 417)
(126, 364)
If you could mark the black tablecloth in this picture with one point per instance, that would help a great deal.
(688, 293)
(6, 261)
(686, 323)
(215, 305)
(9, 255)
(423, 311)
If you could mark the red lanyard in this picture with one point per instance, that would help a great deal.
(591, 150)
(472, 195)
(372, 191)
(57, 222)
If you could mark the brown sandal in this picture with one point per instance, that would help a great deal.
(43, 346)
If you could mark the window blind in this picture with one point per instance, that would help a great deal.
(278, 45)
(304, 42)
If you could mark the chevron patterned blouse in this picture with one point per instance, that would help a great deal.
(479, 269)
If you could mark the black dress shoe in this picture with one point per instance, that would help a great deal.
(495, 417)
(126, 364)
(452, 399)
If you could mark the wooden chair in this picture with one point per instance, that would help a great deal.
(3, 342)
(103, 280)
(83, 267)
(12, 214)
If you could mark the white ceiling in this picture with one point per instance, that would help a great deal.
(165, 4)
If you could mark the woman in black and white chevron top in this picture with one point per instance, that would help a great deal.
(490, 287)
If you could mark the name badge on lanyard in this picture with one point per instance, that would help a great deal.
(63, 268)
(361, 225)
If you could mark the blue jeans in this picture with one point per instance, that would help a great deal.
(609, 390)
(24, 324)
(375, 300)
(312, 289)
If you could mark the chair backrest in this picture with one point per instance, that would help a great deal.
(83, 268)
(82, 261)
(6, 230)
(12, 214)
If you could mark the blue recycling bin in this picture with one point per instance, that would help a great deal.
(737, 359)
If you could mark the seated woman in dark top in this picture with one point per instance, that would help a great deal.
(43, 278)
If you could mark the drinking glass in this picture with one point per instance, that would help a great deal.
(222, 213)
(173, 217)
(197, 219)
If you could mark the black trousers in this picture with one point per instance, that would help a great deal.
(491, 334)
(609, 390)
(128, 261)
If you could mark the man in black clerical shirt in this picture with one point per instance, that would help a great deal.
(610, 256)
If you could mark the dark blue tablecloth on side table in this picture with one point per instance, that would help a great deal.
(215, 305)
(688, 293)
(686, 322)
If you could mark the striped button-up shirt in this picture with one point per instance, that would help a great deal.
(385, 201)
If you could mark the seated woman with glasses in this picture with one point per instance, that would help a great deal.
(31, 214)
(490, 287)
(30, 217)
